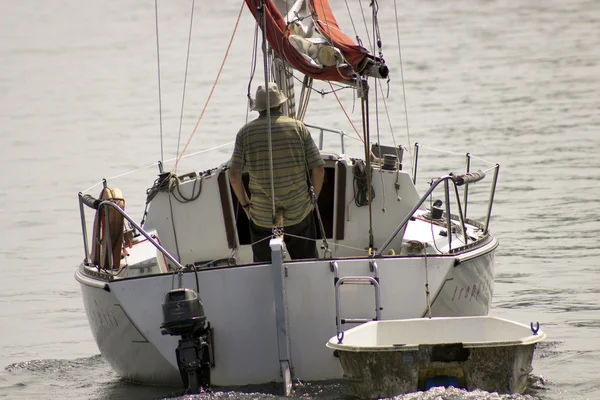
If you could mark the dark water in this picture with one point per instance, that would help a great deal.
(516, 83)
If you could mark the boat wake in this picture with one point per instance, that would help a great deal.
(80, 378)
(93, 378)
(336, 390)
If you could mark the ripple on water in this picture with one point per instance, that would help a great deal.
(81, 378)
(585, 324)
(76, 379)
(436, 393)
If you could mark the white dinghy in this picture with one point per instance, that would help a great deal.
(389, 358)
(175, 295)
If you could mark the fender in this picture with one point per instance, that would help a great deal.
(116, 223)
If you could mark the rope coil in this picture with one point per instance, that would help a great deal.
(361, 197)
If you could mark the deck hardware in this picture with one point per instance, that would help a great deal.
(333, 267)
(536, 329)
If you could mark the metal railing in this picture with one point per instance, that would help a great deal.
(456, 180)
(466, 189)
(321, 132)
(96, 204)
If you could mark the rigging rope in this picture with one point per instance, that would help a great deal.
(153, 165)
(403, 86)
(265, 47)
(366, 28)
(187, 62)
(396, 148)
(359, 249)
(304, 97)
(159, 89)
(353, 26)
(346, 114)
(237, 22)
(459, 154)
(323, 92)
(252, 70)
(387, 113)
(377, 39)
(377, 31)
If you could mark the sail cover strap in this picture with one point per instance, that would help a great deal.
(357, 57)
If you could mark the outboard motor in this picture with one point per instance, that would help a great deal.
(183, 315)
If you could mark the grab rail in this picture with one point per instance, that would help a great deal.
(97, 204)
(457, 180)
(322, 130)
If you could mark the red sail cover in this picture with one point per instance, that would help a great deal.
(277, 36)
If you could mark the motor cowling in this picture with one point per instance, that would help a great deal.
(183, 312)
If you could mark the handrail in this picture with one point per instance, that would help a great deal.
(96, 204)
(491, 200)
(322, 129)
(457, 180)
(409, 215)
(466, 190)
(416, 163)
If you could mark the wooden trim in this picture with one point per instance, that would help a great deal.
(226, 206)
(340, 200)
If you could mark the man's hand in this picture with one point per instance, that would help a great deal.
(235, 178)
(247, 211)
(317, 178)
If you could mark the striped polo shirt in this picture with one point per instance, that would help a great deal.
(293, 150)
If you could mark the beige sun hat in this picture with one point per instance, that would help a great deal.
(259, 103)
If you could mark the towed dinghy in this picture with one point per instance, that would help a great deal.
(389, 358)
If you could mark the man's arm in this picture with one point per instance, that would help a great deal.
(235, 178)
(317, 177)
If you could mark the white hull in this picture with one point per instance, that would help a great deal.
(386, 251)
(125, 315)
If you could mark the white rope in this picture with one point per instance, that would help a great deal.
(204, 151)
(403, 86)
(284, 234)
(455, 154)
(119, 176)
(239, 248)
(154, 165)
(316, 240)
(228, 255)
(366, 28)
(159, 80)
(489, 169)
(185, 75)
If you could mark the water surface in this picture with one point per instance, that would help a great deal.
(511, 82)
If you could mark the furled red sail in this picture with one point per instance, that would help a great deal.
(333, 57)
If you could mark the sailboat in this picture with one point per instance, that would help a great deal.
(176, 297)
